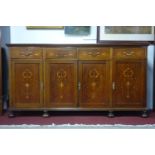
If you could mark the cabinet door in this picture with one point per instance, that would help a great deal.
(26, 83)
(129, 83)
(94, 84)
(60, 83)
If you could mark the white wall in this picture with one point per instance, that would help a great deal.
(19, 34)
(150, 64)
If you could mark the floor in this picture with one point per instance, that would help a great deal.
(88, 118)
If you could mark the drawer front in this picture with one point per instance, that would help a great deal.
(61, 53)
(26, 52)
(94, 53)
(129, 53)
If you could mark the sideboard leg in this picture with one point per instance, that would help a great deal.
(45, 114)
(111, 114)
(11, 114)
(145, 114)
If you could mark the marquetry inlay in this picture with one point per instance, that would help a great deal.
(93, 75)
(128, 53)
(79, 77)
(27, 76)
(61, 76)
(128, 75)
(128, 84)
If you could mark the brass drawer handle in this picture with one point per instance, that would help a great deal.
(94, 54)
(128, 53)
(26, 53)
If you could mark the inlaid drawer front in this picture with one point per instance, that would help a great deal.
(133, 53)
(94, 53)
(26, 52)
(61, 53)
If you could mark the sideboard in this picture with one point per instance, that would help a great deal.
(77, 77)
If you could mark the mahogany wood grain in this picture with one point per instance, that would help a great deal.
(61, 53)
(26, 82)
(95, 89)
(26, 52)
(94, 53)
(60, 83)
(129, 53)
(129, 77)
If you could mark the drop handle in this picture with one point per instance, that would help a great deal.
(113, 86)
(79, 86)
(26, 53)
(128, 53)
(41, 85)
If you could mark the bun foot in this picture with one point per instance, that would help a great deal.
(145, 114)
(11, 114)
(45, 114)
(111, 114)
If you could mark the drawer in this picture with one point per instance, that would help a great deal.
(61, 53)
(26, 52)
(129, 53)
(94, 53)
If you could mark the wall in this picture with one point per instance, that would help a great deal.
(5, 35)
(150, 70)
(19, 34)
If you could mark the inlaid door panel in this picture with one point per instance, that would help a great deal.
(94, 84)
(26, 84)
(61, 83)
(129, 84)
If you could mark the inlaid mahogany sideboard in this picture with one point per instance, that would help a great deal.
(77, 77)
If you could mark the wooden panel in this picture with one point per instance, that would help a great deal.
(61, 84)
(61, 53)
(26, 84)
(129, 87)
(26, 52)
(129, 53)
(94, 53)
(95, 84)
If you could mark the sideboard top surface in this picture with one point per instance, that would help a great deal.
(116, 43)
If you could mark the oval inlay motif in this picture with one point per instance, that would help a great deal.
(93, 74)
(61, 74)
(128, 73)
(27, 74)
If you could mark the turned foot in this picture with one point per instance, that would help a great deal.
(45, 114)
(145, 114)
(11, 114)
(110, 114)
